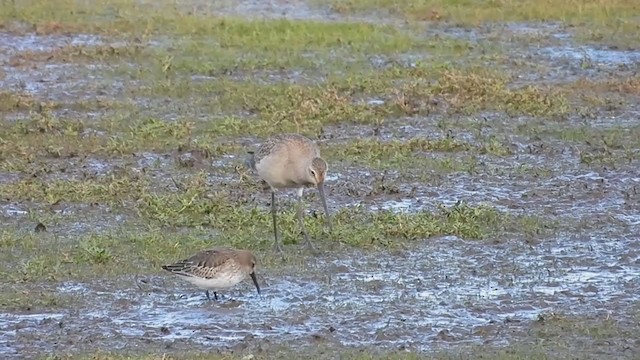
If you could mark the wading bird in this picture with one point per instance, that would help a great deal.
(216, 269)
(288, 161)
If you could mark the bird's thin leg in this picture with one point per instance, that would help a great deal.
(301, 221)
(209, 297)
(215, 296)
(273, 215)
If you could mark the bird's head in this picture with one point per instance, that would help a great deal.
(318, 171)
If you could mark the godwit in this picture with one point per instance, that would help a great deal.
(290, 161)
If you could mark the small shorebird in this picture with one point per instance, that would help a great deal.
(290, 161)
(216, 269)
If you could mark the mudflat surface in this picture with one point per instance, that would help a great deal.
(483, 182)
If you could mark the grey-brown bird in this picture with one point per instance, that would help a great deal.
(216, 269)
(290, 161)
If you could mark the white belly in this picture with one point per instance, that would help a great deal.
(221, 282)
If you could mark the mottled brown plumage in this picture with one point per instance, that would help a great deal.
(218, 268)
(290, 161)
(292, 144)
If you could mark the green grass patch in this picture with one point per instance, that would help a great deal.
(287, 35)
(463, 90)
(264, 109)
(615, 137)
(473, 90)
(551, 326)
(622, 85)
(318, 46)
(226, 211)
(605, 156)
(594, 20)
(40, 256)
(191, 43)
(79, 54)
(21, 297)
(211, 35)
(279, 107)
(175, 229)
(596, 145)
(110, 189)
(25, 144)
(608, 14)
(15, 101)
(245, 108)
(134, 17)
(394, 153)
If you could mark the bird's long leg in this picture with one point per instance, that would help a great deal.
(215, 295)
(209, 297)
(301, 221)
(275, 227)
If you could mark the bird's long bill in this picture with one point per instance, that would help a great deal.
(324, 203)
(255, 282)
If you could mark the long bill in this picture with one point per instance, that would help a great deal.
(255, 281)
(324, 204)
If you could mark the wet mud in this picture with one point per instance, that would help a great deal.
(446, 291)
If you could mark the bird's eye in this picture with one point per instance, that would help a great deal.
(313, 172)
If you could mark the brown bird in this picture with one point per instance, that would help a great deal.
(290, 161)
(216, 269)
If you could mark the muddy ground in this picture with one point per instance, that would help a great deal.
(553, 272)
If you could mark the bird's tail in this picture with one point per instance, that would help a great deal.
(177, 269)
(250, 161)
